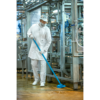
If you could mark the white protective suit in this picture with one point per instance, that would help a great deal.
(42, 36)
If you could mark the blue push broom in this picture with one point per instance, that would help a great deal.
(60, 85)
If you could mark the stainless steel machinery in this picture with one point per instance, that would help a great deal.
(65, 20)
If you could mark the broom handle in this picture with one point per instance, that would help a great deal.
(47, 62)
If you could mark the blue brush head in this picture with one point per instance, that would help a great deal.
(61, 86)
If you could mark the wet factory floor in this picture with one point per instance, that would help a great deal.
(26, 91)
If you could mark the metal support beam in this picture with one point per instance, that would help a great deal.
(71, 71)
(36, 6)
(23, 64)
(27, 66)
(75, 60)
(80, 72)
(20, 9)
(62, 78)
(62, 41)
(79, 12)
(78, 4)
(58, 12)
(62, 44)
(49, 71)
(24, 4)
(21, 28)
(28, 40)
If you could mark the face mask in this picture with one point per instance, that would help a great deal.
(42, 25)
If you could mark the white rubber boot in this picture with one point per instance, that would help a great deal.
(42, 84)
(35, 83)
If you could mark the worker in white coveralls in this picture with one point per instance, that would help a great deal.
(41, 33)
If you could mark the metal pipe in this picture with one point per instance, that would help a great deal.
(36, 6)
(58, 11)
(23, 68)
(62, 44)
(49, 21)
(75, 60)
(21, 28)
(23, 4)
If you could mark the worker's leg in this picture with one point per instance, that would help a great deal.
(43, 72)
(34, 67)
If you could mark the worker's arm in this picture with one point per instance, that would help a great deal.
(29, 33)
(48, 38)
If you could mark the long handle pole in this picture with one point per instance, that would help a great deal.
(47, 61)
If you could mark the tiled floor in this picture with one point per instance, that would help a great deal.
(25, 91)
